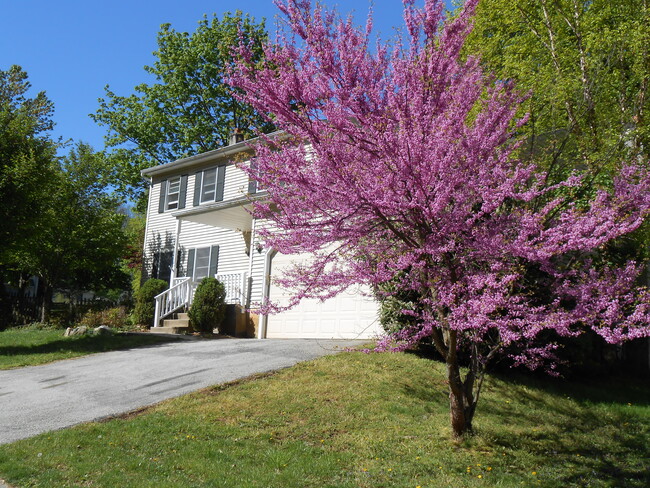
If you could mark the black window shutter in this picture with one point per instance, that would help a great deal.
(214, 260)
(197, 187)
(221, 178)
(252, 183)
(163, 194)
(190, 263)
(183, 192)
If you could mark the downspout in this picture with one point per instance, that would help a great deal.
(250, 265)
(266, 288)
(146, 224)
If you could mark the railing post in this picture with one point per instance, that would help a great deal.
(156, 320)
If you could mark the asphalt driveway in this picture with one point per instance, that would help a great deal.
(38, 399)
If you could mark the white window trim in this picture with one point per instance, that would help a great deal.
(173, 205)
(202, 198)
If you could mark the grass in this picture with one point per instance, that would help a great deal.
(355, 420)
(29, 346)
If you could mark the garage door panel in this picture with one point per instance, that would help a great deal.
(350, 314)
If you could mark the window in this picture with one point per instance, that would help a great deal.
(252, 183)
(209, 184)
(202, 262)
(172, 194)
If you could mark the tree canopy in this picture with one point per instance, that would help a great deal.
(58, 220)
(586, 65)
(401, 166)
(189, 109)
(26, 155)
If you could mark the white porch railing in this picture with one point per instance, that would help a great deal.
(178, 296)
(182, 291)
(236, 286)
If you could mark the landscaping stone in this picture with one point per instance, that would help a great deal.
(103, 330)
(76, 331)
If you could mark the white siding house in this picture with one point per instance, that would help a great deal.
(198, 225)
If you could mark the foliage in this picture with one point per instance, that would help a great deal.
(77, 239)
(399, 166)
(59, 222)
(318, 424)
(208, 308)
(115, 317)
(145, 307)
(189, 109)
(26, 157)
(586, 65)
(398, 307)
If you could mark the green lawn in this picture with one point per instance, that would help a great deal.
(355, 420)
(29, 346)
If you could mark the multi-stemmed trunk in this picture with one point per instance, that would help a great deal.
(463, 393)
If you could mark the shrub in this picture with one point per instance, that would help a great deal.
(208, 309)
(115, 318)
(144, 304)
(395, 303)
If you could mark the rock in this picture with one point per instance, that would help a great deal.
(76, 331)
(103, 330)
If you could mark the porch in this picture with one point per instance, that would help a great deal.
(179, 297)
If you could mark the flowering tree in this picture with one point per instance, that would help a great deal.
(399, 168)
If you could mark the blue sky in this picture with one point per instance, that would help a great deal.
(72, 49)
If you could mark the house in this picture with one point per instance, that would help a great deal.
(198, 225)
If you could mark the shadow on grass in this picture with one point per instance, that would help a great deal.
(85, 344)
(599, 429)
(583, 432)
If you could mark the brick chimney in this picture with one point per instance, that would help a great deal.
(236, 136)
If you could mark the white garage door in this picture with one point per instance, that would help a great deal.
(349, 315)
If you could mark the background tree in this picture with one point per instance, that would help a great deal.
(189, 109)
(77, 239)
(587, 66)
(27, 157)
(400, 168)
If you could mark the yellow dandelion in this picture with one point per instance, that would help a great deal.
(480, 476)
(534, 473)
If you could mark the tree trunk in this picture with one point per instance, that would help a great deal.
(461, 404)
(46, 307)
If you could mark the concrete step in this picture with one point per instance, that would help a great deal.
(182, 316)
(170, 329)
(176, 323)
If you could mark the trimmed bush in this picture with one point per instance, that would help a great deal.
(208, 309)
(145, 307)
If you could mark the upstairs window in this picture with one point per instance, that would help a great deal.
(172, 194)
(209, 184)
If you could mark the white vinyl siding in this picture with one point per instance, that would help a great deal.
(161, 229)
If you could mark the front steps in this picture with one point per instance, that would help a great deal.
(179, 325)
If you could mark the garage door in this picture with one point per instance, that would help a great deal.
(349, 315)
